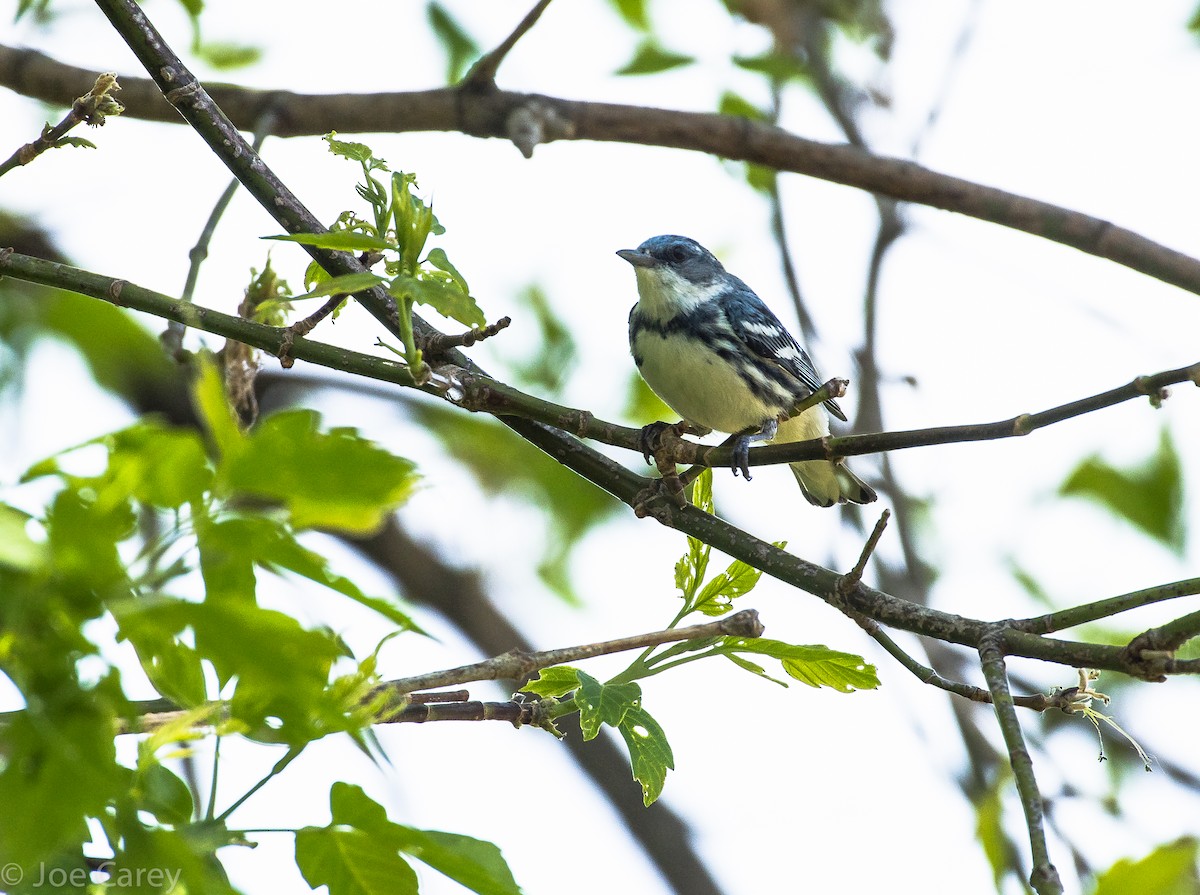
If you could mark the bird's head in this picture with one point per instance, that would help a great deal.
(674, 274)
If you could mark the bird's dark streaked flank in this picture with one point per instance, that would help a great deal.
(710, 348)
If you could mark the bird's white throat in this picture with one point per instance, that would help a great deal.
(663, 293)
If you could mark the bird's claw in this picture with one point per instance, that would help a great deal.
(650, 438)
(741, 456)
(649, 501)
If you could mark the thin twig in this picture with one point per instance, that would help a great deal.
(518, 664)
(1044, 877)
(926, 675)
(1090, 612)
(808, 327)
(437, 344)
(172, 339)
(1159, 644)
(483, 72)
(93, 108)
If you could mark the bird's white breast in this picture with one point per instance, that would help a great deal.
(698, 384)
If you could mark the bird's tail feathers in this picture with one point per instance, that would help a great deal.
(824, 483)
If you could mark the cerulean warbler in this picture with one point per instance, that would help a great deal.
(710, 348)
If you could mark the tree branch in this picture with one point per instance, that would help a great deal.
(1090, 612)
(518, 664)
(1044, 877)
(628, 486)
(483, 73)
(495, 113)
(481, 393)
(172, 339)
(269, 338)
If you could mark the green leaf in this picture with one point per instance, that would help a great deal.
(84, 533)
(762, 178)
(459, 47)
(229, 549)
(18, 551)
(351, 862)
(650, 59)
(739, 579)
(780, 67)
(1030, 584)
(347, 284)
(162, 793)
(551, 363)
(472, 863)
(355, 152)
(1150, 496)
(77, 142)
(504, 463)
(438, 258)
(61, 758)
(212, 406)
(692, 566)
(440, 292)
(634, 13)
(284, 552)
(163, 467)
(752, 667)
(989, 829)
(193, 8)
(649, 753)
(282, 670)
(226, 55)
(173, 667)
(603, 703)
(339, 241)
(333, 479)
(740, 107)
(620, 706)
(186, 856)
(817, 666)
(1168, 870)
(553, 682)
(121, 354)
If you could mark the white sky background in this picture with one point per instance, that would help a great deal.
(1088, 105)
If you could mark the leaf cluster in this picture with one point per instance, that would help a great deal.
(398, 229)
(618, 702)
(105, 574)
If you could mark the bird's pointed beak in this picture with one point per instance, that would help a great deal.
(636, 258)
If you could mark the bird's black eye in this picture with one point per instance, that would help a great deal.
(677, 254)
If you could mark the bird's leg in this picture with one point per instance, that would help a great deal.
(741, 446)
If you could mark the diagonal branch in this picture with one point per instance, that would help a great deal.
(624, 485)
(481, 393)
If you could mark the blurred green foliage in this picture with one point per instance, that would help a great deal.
(1148, 496)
